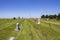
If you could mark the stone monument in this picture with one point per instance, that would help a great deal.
(17, 27)
(38, 21)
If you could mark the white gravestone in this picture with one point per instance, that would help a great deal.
(38, 21)
(17, 27)
(47, 19)
(11, 38)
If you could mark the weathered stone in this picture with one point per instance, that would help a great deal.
(11, 38)
(17, 27)
(38, 21)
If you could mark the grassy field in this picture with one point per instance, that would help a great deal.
(47, 30)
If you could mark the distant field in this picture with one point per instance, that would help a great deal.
(47, 30)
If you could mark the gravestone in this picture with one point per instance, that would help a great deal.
(11, 38)
(17, 27)
(38, 21)
(47, 19)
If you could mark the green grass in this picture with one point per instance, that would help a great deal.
(30, 30)
(51, 32)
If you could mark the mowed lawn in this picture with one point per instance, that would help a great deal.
(30, 30)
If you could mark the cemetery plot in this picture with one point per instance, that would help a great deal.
(29, 30)
(8, 30)
(48, 32)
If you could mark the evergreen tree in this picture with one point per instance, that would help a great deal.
(46, 16)
(43, 16)
(58, 16)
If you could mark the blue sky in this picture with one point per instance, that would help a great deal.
(28, 8)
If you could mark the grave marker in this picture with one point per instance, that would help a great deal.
(38, 21)
(17, 27)
(11, 38)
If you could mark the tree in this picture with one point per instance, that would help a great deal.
(18, 17)
(46, 16)
(58, 16)
(14, 18)
(55, 16)
(51, 17)
(43, 16)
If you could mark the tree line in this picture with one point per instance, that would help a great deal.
(52, 16)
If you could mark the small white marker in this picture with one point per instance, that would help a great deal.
(17, 27)
(11, 38)
(38, 21)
